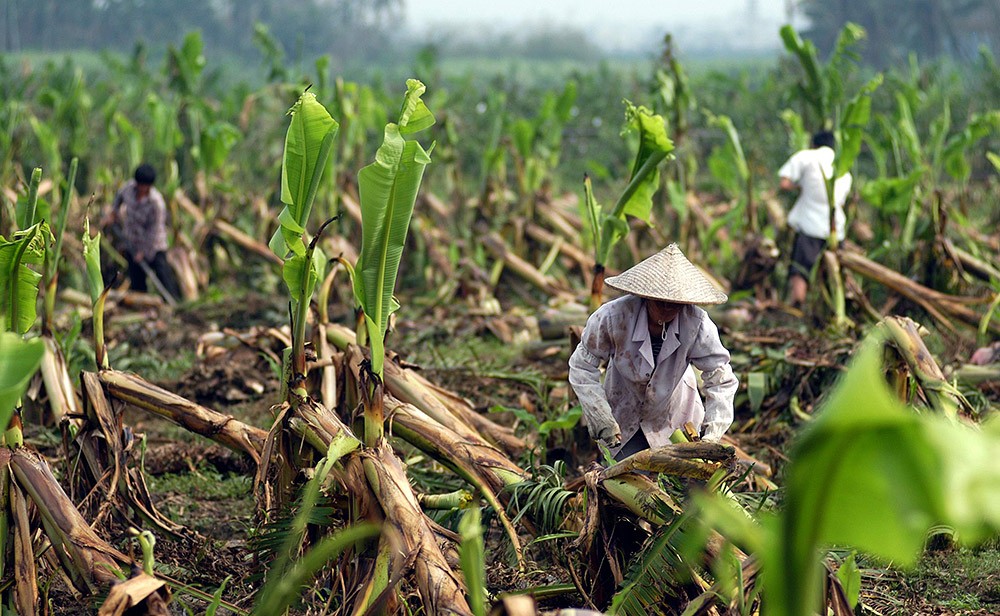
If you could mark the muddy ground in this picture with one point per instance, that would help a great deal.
(491, 362)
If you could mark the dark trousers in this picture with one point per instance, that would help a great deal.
(160, 267)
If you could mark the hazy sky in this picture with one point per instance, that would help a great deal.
(615, 23)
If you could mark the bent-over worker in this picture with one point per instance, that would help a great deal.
(648, 340)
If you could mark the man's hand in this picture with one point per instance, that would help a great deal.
(139, 256)
(607, 431)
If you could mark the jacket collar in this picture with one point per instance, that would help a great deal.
(680, 332)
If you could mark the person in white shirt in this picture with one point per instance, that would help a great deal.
(648, 340)
(808, 171)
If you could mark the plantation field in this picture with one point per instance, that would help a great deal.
(359, 401)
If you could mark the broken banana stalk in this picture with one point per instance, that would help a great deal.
(698, 460)
(904, 335)
(440, 590)
(88, 560)
(223, 429)
(58, 385)
(102, 442)
(488, 471)
(445, 408)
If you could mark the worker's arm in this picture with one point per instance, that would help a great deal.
(720, 382)
(585, 378)
(790, 173)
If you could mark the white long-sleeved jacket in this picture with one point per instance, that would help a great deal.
(657, 395)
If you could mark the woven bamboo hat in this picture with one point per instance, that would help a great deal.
(668, 276)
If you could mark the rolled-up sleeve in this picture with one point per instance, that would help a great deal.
(720, 382)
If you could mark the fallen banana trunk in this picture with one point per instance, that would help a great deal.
(241, 239)
(102, 440)
(445, 407)
(88, 560)
(25, 573)
(942, 396)
(465, 452)
(483, 467)
(584, 261)
(698, 460)
(497, 434)
(223, 429)
(974, 375)
(440, 590)
(524, 270)
(977, 267)
(939, 305)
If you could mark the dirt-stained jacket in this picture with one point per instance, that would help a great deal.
(641, 388)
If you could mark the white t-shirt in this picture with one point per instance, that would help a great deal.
(811, 213)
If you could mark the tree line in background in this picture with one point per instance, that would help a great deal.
(368, 30)
(309, 27)
(896, 28)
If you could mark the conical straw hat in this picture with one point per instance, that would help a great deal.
(670, 277)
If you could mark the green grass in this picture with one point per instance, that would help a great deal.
(149, 362)
(958, 580)
(204, 483)
(205, 500)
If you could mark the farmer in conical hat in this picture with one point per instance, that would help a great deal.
(649, 339)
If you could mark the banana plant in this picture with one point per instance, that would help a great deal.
(674, 92)
(388, 190)
(728, 164)
(18, 282)
(98, 293)
(537, 143)
(636, 199)
(308, 144)
(52, 257)
(868, 473)
(822, 89)
(850, 134)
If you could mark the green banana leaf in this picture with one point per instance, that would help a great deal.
(215, 144)
(852, 127)
(63, 214)
(979, 127)
(302, 276)
(892, 195)
(592, 210)
(308, 144)
(637, 198)
(388, 190)
(994, 159)
(18, 282)
(798, 137)
(871, 474)
(814, 91)
(19, 359)
(187, 64)
(27, 208)
(906, 129)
